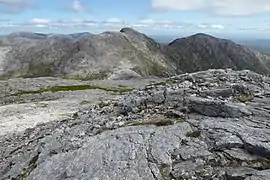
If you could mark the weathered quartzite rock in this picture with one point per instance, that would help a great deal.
(206, 125)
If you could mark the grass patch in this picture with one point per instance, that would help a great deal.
(243, 98)
(164, 83)
(264, 163)
(54, 89)
(157, 70)
(162, 122)
(220, 81)
(164, 170)
(194, 134)
(259, 163)
(39, 69)
(3, 77)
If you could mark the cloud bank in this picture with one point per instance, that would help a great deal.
(221, 7)
(14, 6)
(109, 24)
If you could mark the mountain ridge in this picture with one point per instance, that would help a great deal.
(207, 52)
(120, 55)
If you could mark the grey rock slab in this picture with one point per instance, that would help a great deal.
(247, 174)
(217, 108)
(240, 154)
(125, 153)
(236, 134)
(260, 175)
(239, 173)
(214, 138)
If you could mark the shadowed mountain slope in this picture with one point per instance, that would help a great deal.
(202, 52)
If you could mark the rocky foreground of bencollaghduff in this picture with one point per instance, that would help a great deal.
(210, 124)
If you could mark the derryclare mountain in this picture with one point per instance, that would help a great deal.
(120, 55)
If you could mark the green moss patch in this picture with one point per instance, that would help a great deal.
(161, 122)
(2, 77)
(243, 98)
(54, 89)
(164, 171)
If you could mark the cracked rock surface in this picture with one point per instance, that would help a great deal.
(206, 125)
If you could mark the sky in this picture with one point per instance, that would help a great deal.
(238, 18)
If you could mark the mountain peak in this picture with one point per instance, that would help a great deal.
(30, 35)
(128, 30)
(203, 35)
(202, 51)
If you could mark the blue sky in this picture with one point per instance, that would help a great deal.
(247, 18)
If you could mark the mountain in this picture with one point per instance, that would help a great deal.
(27, 35)
(120, 55)
(127, 53)
(80, 35)
(201, 52)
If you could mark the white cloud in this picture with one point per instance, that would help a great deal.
(114, 20)
(217, 26)
(222, 7)
(148, 21)
(39, 21)
(211, 26)
(203, 26)
(111, 24)
(155, 22)
(170, 24)
(77, 6)
(41, 25)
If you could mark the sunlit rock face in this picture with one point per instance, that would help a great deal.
(206, 125)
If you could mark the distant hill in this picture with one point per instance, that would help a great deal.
(120, 55)
(201, 52)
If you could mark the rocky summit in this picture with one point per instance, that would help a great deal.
(210, 124)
